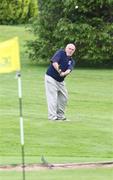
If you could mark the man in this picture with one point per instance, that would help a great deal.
(56, 92)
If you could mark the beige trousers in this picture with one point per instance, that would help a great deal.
(57, 96)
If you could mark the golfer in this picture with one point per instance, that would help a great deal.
(56, 92)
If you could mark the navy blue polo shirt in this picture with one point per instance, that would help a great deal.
(65, 62)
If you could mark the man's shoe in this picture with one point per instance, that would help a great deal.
(53, 119)
(62, 118)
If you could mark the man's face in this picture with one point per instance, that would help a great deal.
(70, 49)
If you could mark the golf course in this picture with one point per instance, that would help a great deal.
(86, 138)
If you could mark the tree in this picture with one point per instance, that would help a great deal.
(90, 26)
(17, 11)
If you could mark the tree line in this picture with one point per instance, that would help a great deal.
(88, 24)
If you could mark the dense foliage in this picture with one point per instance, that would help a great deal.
(90, 26)
(17, 11)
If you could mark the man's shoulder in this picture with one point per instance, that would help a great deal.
(58, 55)
(60, 51)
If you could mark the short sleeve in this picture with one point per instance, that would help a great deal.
(56, 57)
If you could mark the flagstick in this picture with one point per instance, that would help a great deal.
(21, 122)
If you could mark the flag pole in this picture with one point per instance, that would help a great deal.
(18, 74)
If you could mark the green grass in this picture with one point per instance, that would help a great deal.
(87, 137)
(79, 174)
(89, 134)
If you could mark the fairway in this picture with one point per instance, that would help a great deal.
(88, 137)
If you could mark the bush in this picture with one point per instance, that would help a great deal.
(17, 11)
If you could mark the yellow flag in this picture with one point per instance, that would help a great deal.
(9, 56)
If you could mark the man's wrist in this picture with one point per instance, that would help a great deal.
(59, 71)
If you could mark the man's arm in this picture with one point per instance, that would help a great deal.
(56, 66)
(65, 73)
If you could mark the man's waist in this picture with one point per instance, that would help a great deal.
(56, 77)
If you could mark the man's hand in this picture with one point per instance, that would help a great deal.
(62, 74)
(56, 66)
(59, 71)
